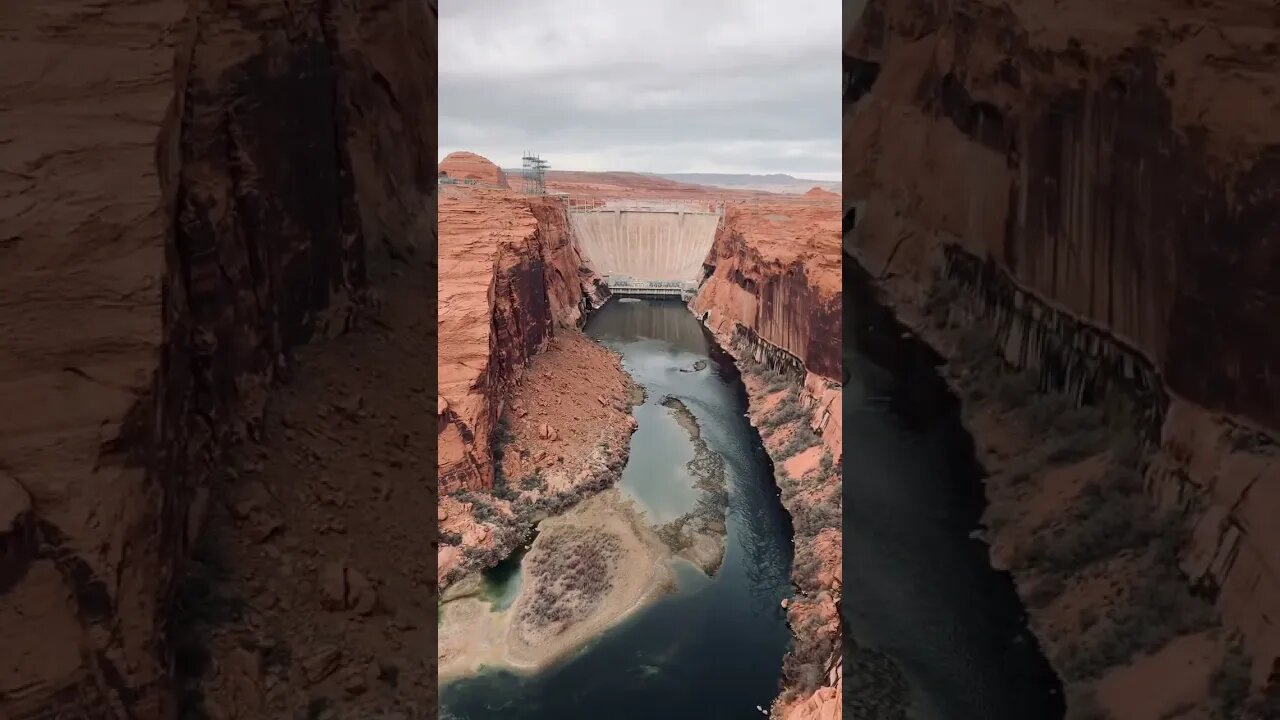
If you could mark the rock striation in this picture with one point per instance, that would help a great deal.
(238, 178)
(509, 276)
(1106, 194)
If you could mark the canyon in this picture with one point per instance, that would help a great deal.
(520, 276)
(1076, 207)
(192, 193)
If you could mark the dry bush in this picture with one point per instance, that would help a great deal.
(802, 439)
(571, 571)
(789, 410)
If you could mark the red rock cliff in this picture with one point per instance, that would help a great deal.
(509, 275)
(152, 290)
(470, 166)
(1104, 181)
(773, 299)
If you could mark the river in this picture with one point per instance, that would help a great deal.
(921, 589)
(713, 648)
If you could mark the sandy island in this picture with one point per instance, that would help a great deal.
(622, 566)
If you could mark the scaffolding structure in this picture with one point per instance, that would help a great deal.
(535, 174)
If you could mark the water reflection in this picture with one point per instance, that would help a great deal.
(923, 590)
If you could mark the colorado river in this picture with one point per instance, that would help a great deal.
(713, 648)
(923, 591)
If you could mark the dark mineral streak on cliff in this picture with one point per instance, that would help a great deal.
(1107, 201)
(296, 158)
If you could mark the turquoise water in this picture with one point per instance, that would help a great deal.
(714, 648)
(660, 481)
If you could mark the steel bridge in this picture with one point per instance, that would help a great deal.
(628, 287)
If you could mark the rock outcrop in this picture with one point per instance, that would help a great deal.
(772, 297)
(1107, 196)
(468, 166)
(173, 228)
(821, 194)
(509, 275)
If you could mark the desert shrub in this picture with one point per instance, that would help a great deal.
(802, 439)
(811, 519)
(532, 481)
(1110, 515)
(451, 538)
(789, 410)
(803, 666)
(485, 513)
(1159, 608)
(502, 437)
(1230, 683)
(572, 570)
(672, 534)
(501, 487)
(775, 378)
(827, 464)
(804, 569)
(1076, 446)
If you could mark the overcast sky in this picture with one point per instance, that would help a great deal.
(732, 86)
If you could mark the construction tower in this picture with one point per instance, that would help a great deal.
(535, 172)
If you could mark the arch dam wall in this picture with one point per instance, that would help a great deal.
(653, 248)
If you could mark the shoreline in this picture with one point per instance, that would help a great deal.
(701, 534)
(474, 637)
(816, 571)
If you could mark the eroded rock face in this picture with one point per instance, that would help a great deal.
(774, 292)
(1109, 200)
(1117, 176)
(293, 159)
(773, 300)
(509, 275)
(464, 165)
(775, 270)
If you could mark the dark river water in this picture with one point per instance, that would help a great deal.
(917, 587)
(714, 648)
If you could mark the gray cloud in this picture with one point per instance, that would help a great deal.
(709, 86)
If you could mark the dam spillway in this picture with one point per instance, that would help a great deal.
(646, 249)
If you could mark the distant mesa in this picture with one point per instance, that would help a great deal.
(818, 192)
(470, 166)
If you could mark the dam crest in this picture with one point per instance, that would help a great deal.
(647, 248)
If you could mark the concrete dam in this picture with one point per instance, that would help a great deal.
(647, 248)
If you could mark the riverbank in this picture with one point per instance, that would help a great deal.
(1095, 560)
(665, 658)
(773, 302)
(562, 435)
(785, 407)
(588, 570)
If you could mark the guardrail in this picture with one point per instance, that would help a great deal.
(626, 287)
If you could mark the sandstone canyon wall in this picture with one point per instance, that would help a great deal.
(509, 275)
(772, 297)
(1102, 182)
(191, 190)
